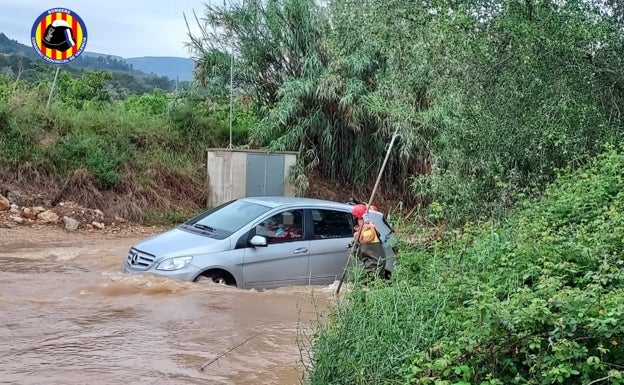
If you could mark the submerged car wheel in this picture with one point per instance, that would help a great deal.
(220, 277)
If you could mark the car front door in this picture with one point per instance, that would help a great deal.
(332, 233)
(284, 261)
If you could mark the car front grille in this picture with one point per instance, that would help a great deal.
(139, 260)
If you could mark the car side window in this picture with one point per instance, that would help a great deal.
(286, 226)
(331, 224)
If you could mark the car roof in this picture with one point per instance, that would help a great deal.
(280, 201)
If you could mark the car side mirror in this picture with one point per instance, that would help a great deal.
(258, 241)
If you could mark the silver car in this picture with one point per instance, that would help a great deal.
(259, 242)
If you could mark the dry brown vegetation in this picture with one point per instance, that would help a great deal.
(158, 191)
(344, 191)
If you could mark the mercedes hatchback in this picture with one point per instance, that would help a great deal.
(260, 242)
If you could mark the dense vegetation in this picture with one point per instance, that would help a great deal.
(489, 97)
(138, 156)
(537, 299)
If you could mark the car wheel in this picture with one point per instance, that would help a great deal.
(216, 278)
(220, 278)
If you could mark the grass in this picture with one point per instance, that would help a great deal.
(139, 166)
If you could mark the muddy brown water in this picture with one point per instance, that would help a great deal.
(69, 316)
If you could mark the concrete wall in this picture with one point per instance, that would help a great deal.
(227, 174)
(289, 160)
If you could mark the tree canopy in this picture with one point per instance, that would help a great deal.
(490, 97)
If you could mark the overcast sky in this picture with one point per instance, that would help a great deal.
(126, 28)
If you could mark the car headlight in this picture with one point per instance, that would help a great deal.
(174, 263)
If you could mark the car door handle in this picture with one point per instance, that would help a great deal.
(300, 250)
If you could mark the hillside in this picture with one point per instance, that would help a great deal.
(12, 47)
(170, 67)
(122, 81)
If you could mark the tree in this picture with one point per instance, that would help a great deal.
(533, 91)
(271, 40)
(489, 96)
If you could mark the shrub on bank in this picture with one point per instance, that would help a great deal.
(537, 299)
(143, 152)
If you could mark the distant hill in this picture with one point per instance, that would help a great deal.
(170, 67)
(17, 58)
(96, 54)
(12, 47)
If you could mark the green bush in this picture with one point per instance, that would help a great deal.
(149, 104)
(105, 139)
(537, 299)
(103, 157)
(84, 128)
(197, 121)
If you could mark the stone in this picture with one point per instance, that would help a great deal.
(71, 224)
(48, 216)
(29, 213)
(32, 212)
(98, 225)
(15, 209)
(17, 219)
(4, 203)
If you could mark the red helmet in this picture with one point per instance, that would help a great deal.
(358, 211)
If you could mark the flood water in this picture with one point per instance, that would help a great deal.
(69, 316)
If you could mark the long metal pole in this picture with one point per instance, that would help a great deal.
(356, 242)
(383, 166)
(231, 93)
(58, 68)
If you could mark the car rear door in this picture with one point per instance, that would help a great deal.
(332, 232)
(284, 261)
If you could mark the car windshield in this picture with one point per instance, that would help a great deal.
(229, 217)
